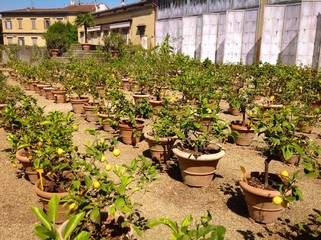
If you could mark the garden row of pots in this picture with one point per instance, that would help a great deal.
(190, 92)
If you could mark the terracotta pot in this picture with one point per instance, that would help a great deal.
(259, 202)
(54, 52)
(85, 46)
(78, 104)
(138, 96)
(134, 86)
(197, 171)
(41, 89)
(160, 150)
(48, 93)
(32, 85)
(127, 133)
(36, 88)
(107, 126)
(45, 198)
(60, 96)
(90, 115)
(22, 157)
(243, 135)
(156, 104)
(126, 85)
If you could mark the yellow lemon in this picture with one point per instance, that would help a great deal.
(277, 200)
(103, 158)
(116, 152)
(102, 140)
(108, 167)
(39, 144)
(14, 165)
(272, 98)
(73, 206)
(60, 151)
(96, 184)
(284, 174)
(75, 127)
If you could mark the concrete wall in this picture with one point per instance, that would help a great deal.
(25, 53)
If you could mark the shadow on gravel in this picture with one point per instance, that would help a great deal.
(292, 231)
(236, 202)
(173, 171)
(250, 235)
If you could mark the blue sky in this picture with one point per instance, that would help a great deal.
(18, 4)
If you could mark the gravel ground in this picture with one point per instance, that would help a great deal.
(167, 197)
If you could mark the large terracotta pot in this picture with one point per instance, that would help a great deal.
(41, 89)
(32, 85)
(90, 115)
(126, 85)
(60, 96)
(127, 133)
(85, 46)
(242, 135)
(197, 171)
(45, 198)
(156, 104)
(22, 157)
(54, 52)
(78, 104)
(48, 93)
(138, 96)
(259, 202)
(106, 122)
(160, 150)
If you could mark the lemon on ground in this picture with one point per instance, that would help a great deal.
(116, 152)
(277, 200)
(103, 158)
(96, 184)
(284, 174)
(75, 127)
(14, 165)
(108, 167)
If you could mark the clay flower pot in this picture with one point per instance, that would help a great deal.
(32, 85)
(60, 96)
(160, 150)
(22, 157)
(126, 85)
(90, 115)
(138, 96)
(41, 89)
(45, 198)
(78, 104)
(243, 135)
(48, 93)
(85, 46)
(127, 132)
(259, 201)
(106, 122)
(156, 104)
(197, 170)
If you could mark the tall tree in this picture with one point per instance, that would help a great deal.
(86, 20)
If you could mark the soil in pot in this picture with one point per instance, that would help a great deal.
(242, 135)
(127, 134)
(197, 169)
(259, 198)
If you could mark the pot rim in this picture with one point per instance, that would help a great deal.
(201, 157)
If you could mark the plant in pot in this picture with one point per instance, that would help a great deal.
(115, 44)
(162, 136)
(105, 197)
(86, 20)
(197, 154)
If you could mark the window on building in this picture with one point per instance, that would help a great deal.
(33, 23)
(21, 41)
(46, 23)
(34, 40)
(9, 40)
(60, 19)
(19, 23)
(8, 23)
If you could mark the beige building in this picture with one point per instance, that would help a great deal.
(136, 22)
(26, 26)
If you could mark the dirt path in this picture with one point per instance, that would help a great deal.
(168, 197)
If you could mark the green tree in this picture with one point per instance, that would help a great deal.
(60, 36)
(86, 20)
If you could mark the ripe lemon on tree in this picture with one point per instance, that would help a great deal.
(116, 152)
(284, 174)
(73, 206)
(60, 151)
(277, 200)
(103, 158)
(96, 184)
(108, 167)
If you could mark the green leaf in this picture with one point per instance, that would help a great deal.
(53, 208)
(91, 131)
(73, 222)
(42, 232)
(88, 181)
(137, 230)
(83, 236)
(94, 214)
(42, 217)
(186, 221)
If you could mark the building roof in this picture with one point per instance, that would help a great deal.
(77, 8)
(126, 7)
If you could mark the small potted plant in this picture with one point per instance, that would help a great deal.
(114, 43)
